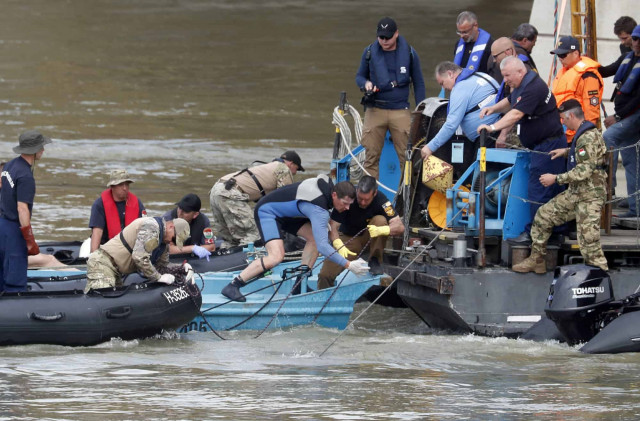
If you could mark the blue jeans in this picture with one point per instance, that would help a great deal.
(624, 133)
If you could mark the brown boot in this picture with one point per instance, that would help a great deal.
(534, 263)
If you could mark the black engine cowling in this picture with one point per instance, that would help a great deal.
(578, 297)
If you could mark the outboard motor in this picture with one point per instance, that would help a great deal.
(578, 298)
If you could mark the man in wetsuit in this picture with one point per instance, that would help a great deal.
(16, 204)
(300, 209)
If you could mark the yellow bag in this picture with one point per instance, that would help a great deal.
(437, 174)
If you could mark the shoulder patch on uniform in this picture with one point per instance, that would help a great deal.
(151, 245)
(388, 209)
(594, 100)
(582, 152)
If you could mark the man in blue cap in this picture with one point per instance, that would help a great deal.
(16, 203)
(387, 69)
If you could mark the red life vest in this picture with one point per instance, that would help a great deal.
(132, 210)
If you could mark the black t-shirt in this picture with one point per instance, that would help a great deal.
(18, 185)
(356, 219)
(196, 227)
(541, 120)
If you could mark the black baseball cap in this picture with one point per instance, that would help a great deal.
(566, 45)
(190, 203)
(293, 157)
(387, 27)
(569, 104)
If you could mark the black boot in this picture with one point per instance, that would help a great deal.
(374, 266)
(232, 290)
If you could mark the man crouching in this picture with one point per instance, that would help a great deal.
(143, 247)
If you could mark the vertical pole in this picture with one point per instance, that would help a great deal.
(482, 254)
(342, 108)
(407, 202)
(608, 206)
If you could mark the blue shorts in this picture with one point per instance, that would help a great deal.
(13, 257)
(270, 220)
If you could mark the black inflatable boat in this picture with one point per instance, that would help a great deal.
(582, 305)
(234, 258)
(70, 317)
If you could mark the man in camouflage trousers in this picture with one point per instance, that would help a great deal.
(233, 218)
(583, 199)
(143, 247)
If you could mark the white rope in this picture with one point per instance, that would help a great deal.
(356, 167)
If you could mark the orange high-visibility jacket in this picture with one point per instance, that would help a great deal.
(583, 83)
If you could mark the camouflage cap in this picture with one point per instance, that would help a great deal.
(182, 231)
(118, 176)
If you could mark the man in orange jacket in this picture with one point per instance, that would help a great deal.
(578, 79)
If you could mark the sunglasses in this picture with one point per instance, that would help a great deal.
(635, 38)
(384, 38)
(562, 55)
(495, 56)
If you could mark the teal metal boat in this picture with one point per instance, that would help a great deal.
(270, 303)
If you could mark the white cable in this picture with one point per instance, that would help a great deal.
(345, 134)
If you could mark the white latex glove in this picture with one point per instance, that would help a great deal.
(359, 267)
(167, 278)
(189, 271)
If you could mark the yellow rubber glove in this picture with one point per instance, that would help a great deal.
(376, 231)
(342, 249)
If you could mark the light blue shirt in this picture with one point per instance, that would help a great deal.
(465, 95)
(319, 218)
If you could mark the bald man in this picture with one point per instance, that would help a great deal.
(532, 106)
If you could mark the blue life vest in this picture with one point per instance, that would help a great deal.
(155, 255)
(626, 86)
(500, 95)
(476, 53)
(315, 190)
(465, 74)
(586, 125)
(378, 72)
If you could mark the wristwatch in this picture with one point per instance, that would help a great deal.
(617, 117)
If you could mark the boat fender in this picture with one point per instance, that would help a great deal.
(85, 248)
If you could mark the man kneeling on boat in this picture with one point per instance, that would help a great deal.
(369, 223)
(143, 247)
(582, 201)
(300, 209)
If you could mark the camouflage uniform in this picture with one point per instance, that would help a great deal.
(583, 201)
(233, 218)
(106, 265)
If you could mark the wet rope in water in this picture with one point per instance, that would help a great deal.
(387, 288)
